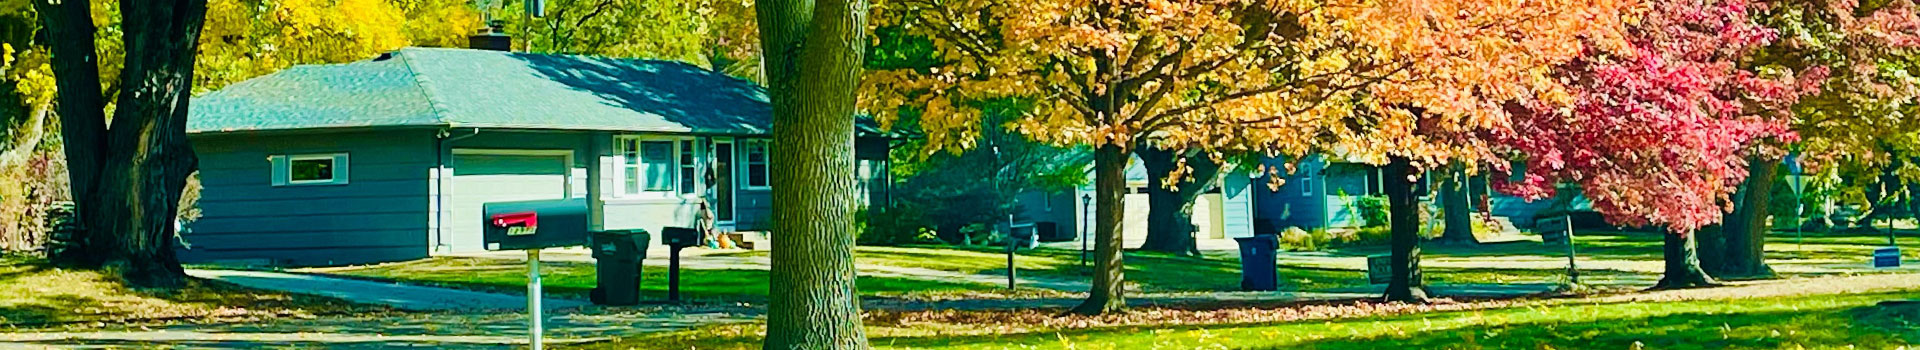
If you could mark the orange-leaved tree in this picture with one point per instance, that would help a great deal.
(1271, 77)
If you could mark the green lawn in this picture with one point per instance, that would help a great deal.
(575, 280)
(34, 294)
(1156, 272)
(1645, 246)
(1146, 272)
(1813, 322)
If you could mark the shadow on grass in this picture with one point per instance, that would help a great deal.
(1817, 321)
(576, 280)
(242, 344)
(1899, 318)
(34, 293)
(1677, 331)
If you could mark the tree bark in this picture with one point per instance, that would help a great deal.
(1109, 188)
(1712, 240)
(1456, 202)
(69, 28)
(1170, 226)
(1682, 264)
(127, 179)
(814, 51)
(1712, 243)
(1403, 216)
(1745, 249)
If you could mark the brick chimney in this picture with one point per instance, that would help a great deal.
(493, 37)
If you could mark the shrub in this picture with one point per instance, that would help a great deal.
(892, 226)
(1373, 210)
(1372, 235)
(29, 192)
(1295, 239)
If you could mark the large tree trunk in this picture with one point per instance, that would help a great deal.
(1403, 215)
(1712, 240)
(127, 179)
(813, 65)
(1109, 188)
(1712, 243)
(1745, 249)
(1456, 202)
(1170, 226)
(1682, 264)
(81, 108)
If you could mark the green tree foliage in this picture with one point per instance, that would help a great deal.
(713, 33)
(944, 191)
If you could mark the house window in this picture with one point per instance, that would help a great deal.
(646, 165)
(309, 169)
(1376, 181)
(757, 177)
(688, 167)
(1306, 185)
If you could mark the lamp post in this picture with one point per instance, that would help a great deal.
(1011, 237)
(1086, 226)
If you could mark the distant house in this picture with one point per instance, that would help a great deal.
(1324, 193)
(391, 158)
(1225, 210)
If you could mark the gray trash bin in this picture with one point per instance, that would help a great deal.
(617, 255)
(1258, 268)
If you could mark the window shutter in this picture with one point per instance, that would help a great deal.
(279, 165)
(340, 169)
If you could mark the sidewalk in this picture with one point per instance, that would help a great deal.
(704, 259)
(404, 297)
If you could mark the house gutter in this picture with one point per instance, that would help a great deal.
(443, 144)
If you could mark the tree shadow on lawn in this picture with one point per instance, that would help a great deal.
(1609, 245)
(1707, 330)
(34, 293)
(249, 345)
(576, 280)
(1838, 326)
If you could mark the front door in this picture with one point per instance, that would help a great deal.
(722, 180)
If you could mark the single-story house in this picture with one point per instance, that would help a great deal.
(1224, 210)
(1326, 193)
(392, 158)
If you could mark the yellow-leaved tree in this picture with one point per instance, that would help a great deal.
(1385, 80)
(244, 39)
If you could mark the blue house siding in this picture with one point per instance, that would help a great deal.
(1299, 201)
(1335, 192)
(595, 158)
(752, 207)
(380, 214)
(1236, 207)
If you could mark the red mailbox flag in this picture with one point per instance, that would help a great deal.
(522, 223)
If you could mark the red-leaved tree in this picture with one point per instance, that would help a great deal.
(1658, 136)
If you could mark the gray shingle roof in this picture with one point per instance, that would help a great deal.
(488, 89)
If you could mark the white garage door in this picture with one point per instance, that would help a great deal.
(484, 178)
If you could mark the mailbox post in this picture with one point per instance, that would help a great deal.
(533, 298)
(676, 238)
(531, 226)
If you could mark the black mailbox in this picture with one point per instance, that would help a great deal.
(679, 237)
(535, 224)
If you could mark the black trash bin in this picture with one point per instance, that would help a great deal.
(617, 255)
(1258, 271)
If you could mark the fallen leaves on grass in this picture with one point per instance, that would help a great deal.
(37, 295)
(959, 322)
